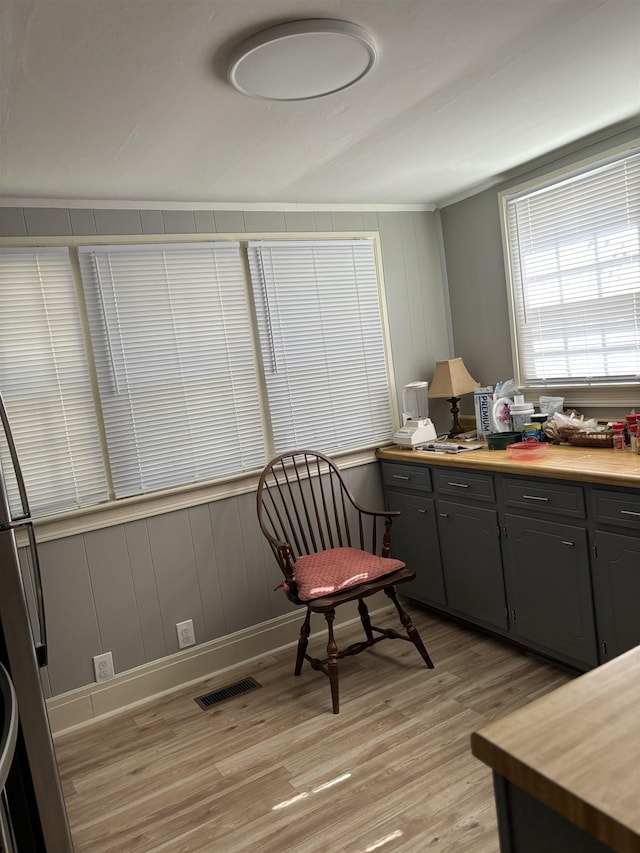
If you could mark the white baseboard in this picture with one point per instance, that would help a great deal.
(86, 704)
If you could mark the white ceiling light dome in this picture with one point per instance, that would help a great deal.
(300, 60)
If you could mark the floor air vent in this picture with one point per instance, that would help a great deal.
(228, 692)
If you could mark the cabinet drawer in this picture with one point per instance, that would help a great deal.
(464, 484)
(617, 508)
(407, 476)
(545, 497)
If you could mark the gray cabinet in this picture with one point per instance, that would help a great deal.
(616, 570)
(414, 535)
(554, 565)
(527, 825)
(414, 540)
(546, 563)
(549, 588)
(470, 544)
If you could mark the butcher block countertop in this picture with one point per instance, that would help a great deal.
(577, 750)
(605, 466)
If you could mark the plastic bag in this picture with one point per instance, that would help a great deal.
(559, 424)
(550, 405)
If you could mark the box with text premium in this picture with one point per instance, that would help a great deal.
(483, 402)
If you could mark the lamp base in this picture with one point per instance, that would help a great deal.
(456, 429)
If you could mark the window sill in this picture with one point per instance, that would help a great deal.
(145, 506)
(594, 396)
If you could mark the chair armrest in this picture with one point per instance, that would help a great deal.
(285, 558)
(388, 517)
(392, 513)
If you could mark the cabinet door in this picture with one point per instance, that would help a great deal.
(549, 588)
(472, 563)
(616, 586)
(414, 539)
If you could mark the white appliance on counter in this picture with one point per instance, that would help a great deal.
(417, 427)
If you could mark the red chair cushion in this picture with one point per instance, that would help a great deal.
(332, 571)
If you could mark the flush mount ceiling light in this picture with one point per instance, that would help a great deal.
(301, 60)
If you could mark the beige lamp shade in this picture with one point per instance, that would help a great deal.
(451, 379)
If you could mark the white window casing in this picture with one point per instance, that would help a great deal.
(322, 343)
(142, 376)
(46, 385)
(174, 358)
(573, 268)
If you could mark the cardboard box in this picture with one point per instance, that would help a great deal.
(483, 403)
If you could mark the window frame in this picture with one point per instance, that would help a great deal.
(170, 328)
(270, 280)
(119, 511)
(576, 395)
(49, 384)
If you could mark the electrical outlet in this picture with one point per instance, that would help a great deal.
(186, 637)
(103, 666)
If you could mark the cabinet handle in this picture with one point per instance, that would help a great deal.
(459, 485)
(566, 542)
(400, 477)
(534, 498)
(444, 515)
(422, 511)
(629, 512)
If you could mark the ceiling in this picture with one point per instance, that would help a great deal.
(127, 100)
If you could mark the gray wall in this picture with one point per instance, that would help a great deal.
(476, 274)
(122, 589)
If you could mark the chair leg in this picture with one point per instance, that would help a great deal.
(412, 631)
(364, 618)
(303, 641)
(332, 661)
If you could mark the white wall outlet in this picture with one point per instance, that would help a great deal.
(186, 637)
(103, 666)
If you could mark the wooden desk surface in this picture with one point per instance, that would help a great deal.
(583, 464)
(577, 750)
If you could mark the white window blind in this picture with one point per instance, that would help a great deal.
(175, 362)
(322, 344)
(45, 384)
(574, 251)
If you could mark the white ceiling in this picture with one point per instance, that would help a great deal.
(127, 99)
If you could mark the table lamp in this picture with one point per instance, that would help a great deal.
(450, 381)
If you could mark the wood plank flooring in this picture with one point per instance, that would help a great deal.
(275, 771)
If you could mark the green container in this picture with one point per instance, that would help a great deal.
(500, 440)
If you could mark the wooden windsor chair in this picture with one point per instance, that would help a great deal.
(331, 550)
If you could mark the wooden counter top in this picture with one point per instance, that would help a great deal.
(577, 750)
(584, 464)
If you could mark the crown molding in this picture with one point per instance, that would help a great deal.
(120, 204)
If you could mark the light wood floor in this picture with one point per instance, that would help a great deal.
(274, 770)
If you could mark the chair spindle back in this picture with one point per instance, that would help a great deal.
(305, 502)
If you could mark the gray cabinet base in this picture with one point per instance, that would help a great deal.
(525, 825)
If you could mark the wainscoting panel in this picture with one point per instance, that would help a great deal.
(145, 590)
(171, 543)
(111, 577)
(72, 624)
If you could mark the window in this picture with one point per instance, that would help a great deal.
(174, 360)
(322, 346)
(574, 265)
(203, 359)
(45, 384)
